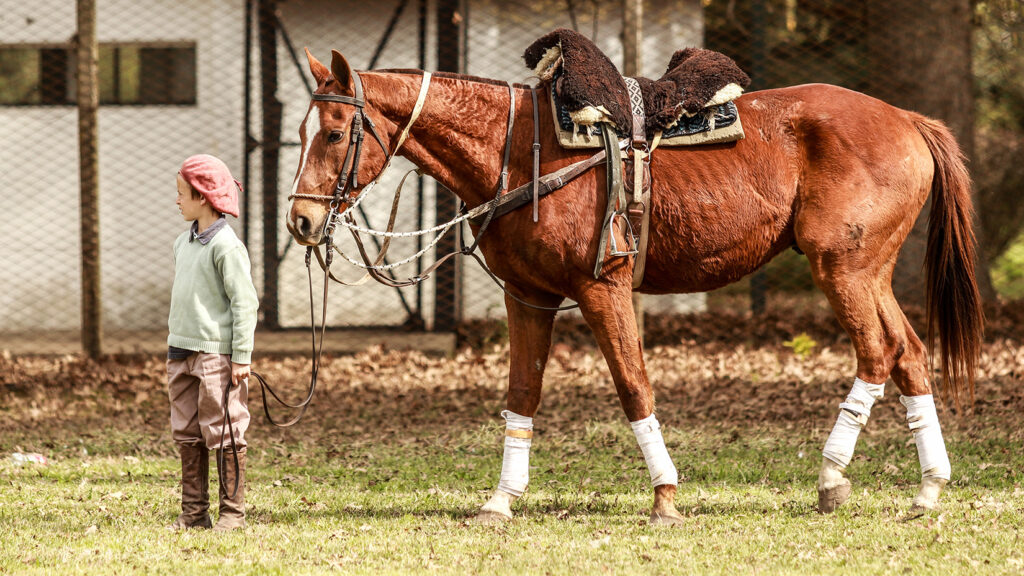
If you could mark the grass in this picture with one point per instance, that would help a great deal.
(404, 505)
(1008, 271)
(399, 451)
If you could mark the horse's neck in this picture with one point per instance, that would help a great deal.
(459, 137)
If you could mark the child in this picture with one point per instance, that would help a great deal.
(211, 328)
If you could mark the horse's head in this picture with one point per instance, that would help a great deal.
(336, 161)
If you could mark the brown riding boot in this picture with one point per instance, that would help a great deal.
(232, 509)
(195, 487)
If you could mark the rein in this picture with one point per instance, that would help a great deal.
(347, 181)
(482, 215)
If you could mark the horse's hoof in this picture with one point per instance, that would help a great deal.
(914, 513)
(497, 510)
(491, 518)
(671, 518)
(927, 498)
(831, 498)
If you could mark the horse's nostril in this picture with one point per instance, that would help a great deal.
(304, 226)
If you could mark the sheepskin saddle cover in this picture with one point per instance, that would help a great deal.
(694, 95)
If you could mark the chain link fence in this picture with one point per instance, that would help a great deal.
(229, 78)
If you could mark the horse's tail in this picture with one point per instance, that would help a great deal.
(953, 300)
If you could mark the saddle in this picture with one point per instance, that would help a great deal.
(594, 106)
(691, 104)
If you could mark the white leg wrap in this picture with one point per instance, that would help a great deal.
(924, 423)
(515, 465)
(853, 415)
(648, 435)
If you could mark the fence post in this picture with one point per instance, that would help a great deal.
(632, 41)
(271, 142)
(88, 173)
(447, 305)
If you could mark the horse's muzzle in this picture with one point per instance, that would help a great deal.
(304, 231)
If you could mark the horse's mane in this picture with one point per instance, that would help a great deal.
(453, 76)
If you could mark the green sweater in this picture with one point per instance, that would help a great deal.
(213, 300)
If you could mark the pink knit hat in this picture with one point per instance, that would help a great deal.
(209, 176)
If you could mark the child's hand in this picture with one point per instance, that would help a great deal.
(239, 372)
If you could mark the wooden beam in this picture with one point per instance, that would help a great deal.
(447, 305)
(88, 98)
(270, 158)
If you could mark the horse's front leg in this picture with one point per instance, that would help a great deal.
(529, 332)
(608, 310)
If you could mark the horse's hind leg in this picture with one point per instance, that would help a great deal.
(910, 376)
(885, 344)
(529, 331)
(608, 310)
(860, 295)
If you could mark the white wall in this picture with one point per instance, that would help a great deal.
(141, 148)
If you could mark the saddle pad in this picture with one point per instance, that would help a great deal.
(689, 131)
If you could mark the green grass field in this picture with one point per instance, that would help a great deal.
(401, 450)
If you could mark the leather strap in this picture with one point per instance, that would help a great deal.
(615, 193)
(638, 210)
(546, 184)
(641, 208)
(536, 154)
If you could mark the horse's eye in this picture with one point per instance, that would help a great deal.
(335, 136)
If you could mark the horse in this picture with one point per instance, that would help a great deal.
(834, 173)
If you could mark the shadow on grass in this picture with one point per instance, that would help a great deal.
(375, 513)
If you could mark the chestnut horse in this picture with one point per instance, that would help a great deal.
(837, 174)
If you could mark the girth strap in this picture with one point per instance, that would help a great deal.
(637, 183)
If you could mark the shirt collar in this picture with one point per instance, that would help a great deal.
(207, 234)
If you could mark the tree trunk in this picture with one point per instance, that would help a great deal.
(87, 64)
(920, 53)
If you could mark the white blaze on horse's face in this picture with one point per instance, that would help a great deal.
(311, 127)
(305, 218)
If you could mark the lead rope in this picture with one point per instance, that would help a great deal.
(317, 352)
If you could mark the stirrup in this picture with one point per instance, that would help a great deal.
(631, 250)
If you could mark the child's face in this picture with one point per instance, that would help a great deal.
(191, 208)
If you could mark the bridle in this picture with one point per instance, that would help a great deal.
(348, 181)
(348, 178)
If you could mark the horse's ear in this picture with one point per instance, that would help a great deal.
(341, 70)
(319, 71)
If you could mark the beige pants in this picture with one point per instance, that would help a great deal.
(196, 386)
